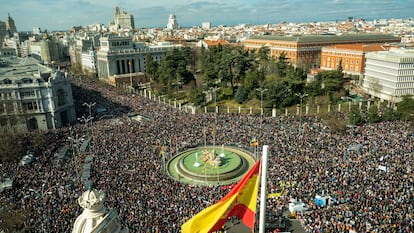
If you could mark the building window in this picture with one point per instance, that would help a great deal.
(29, 106)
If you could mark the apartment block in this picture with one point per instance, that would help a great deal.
(304, 51)
(389, 74)
(351, 56)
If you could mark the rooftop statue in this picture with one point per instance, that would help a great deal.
(96, 218)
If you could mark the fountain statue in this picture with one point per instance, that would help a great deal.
(211, 158)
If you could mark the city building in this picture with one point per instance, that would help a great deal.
(121, 62)
(350, 56)
(208, 43)
(304, 51)
(46, 50)
(36, 31)
(95, 216)
(3, 32)
(33, 96)
(389, 74)
(172, 22)
(89, 61)
(11, 27)
(122, 20)
(206, 25)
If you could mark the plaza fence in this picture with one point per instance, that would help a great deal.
(305, 109)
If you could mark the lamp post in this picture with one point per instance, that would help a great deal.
(89, 105)
(261, 90)
(130, 75)
(301, 96)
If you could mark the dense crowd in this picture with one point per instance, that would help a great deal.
(127, 166)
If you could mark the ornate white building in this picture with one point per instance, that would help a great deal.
(389, 74)
(33, 96)
(96, 218)
(119, 58)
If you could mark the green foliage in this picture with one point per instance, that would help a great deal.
(173, 68)
(152, 67)
(355, 116)
(390, 115)
(240, 95)
(331, 81)
(196, 96)
(406, 107)
(372, 116)
(251, 81)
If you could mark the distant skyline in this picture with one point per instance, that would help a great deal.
(62, 15)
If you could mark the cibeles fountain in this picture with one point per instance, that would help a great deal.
(96, 218)
(210, 165)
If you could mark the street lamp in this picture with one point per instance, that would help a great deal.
(261, 90)
(89, 105)
(301, 96)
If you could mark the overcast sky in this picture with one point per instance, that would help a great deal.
(62, 14)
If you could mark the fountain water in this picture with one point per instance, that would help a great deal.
(196, 164)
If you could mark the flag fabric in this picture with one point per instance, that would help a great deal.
(254, 142)
(239, 202)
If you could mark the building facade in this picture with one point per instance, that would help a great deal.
(119, 57)
(33, 96)
(123, 20)
(350, 56)
(389, 74)
(304, 51)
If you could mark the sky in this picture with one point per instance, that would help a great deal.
(63, 14)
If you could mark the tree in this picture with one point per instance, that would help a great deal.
(196, 96)
(240, 95)
(355, 116)
(11, 147)
(373, 116)
(151, 67)
(406, 107)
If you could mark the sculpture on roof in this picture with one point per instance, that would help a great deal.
(96, 218)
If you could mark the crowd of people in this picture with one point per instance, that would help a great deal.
(128, 167)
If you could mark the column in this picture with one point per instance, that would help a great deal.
(329, 108)
(318, 108)
(273, 112)
(286, 112)
(307, 109)
(339, 107)
(239, 109)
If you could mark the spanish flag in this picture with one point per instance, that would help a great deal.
(239, 202)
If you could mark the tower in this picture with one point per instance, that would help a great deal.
(11, 27)
(123, 20)
(172, 22)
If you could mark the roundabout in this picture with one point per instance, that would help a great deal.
(210, 165)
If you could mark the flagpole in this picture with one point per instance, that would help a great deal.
(263, 193)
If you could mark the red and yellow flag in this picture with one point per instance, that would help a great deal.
(239, 202)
